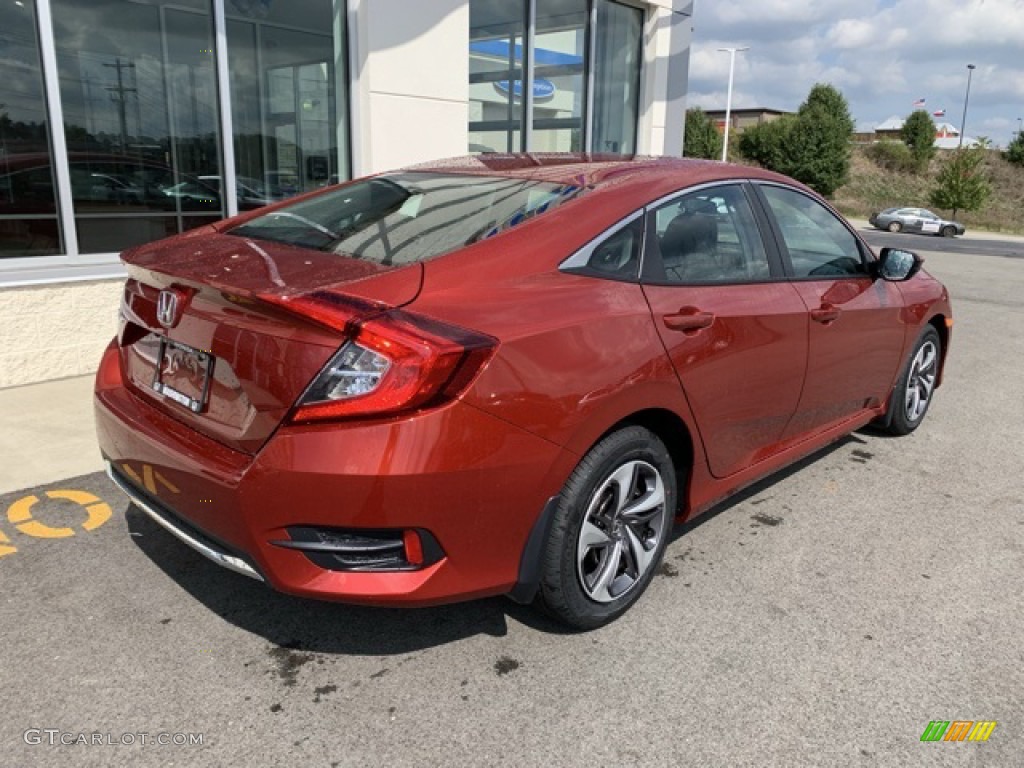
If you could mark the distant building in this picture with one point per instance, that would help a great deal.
(741, 119)
(947, 136)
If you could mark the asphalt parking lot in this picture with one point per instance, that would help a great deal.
(824, 617)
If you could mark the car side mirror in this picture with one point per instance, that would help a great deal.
(897, 265)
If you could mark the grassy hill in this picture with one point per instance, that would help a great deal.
(872, 188)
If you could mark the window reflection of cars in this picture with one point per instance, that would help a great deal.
(251, 193)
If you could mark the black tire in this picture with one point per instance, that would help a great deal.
(920, 374)
(948, 231)
(894, 227)
(587, 582)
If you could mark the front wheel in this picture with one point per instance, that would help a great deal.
(610, 530)
(914, 390)
(948, 231)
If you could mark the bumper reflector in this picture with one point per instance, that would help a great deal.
(338, 549)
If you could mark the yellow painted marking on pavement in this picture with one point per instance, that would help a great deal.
(20, 514)
(99, 511)
(6, 548)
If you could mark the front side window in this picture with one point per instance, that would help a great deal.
(819, 244)
(707, 236)
(400, 219)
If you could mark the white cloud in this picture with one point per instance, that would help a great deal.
(882, 55)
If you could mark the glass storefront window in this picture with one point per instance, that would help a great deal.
(496, 115)
(139, 95)
(565, 33)
(559, 70)
(283, 91)
(28, 201)
(617, 57)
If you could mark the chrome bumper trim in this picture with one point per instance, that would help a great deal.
(221, 558)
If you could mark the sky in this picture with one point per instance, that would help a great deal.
(883, 55)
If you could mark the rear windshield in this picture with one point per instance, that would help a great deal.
(404, 218)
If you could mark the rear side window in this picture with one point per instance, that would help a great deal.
(405, 218)
(819, 244)
(707, 236)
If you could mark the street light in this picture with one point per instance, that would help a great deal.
(1019, 122)
(967, 98)
(728, 98)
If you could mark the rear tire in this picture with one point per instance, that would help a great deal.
(916, 386)
(894, 227)
(610, 530)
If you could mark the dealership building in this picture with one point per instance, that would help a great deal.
(124, 121)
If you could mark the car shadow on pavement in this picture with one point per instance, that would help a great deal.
(335, 628)
(316, 625)
(743, 496)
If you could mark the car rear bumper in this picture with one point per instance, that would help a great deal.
(473, 482)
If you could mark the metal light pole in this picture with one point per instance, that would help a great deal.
(1019, 125)
(728, 98)
(967, 98)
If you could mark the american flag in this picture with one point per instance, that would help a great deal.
(918, 103)
(939, 113)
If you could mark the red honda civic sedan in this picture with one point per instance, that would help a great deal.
(504, 374)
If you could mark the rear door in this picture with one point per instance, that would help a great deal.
(733, 326)
(856, 333)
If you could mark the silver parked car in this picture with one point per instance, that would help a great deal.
(916, 220)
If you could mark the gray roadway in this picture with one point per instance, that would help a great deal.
(822, 618)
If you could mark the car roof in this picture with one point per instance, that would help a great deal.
(649, 174)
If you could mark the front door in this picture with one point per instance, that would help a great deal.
(856, 334)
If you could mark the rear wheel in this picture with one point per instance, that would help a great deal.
(948, 231)
(894, 226)
(913, 394)
(610, 530)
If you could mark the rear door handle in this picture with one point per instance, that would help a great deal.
(825, 314)
(688, 319)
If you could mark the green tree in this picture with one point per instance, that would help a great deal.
(819, 143)
(701, 138)
(812, 146)
(1015, 150)
(765, 144)
(962, 183)
(918, 134)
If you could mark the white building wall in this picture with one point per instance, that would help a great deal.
(410, 82)
(668, 34)
(55, 331)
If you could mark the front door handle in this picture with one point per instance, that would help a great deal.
(688, 320)
(825, 314)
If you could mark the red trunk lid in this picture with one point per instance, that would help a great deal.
(241, 345)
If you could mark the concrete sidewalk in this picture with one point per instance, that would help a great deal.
(46, 433)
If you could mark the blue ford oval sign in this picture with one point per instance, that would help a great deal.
(542, 89)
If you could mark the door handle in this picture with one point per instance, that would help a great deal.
(688, 320)
(825, 314)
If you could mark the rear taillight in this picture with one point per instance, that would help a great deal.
(395, 362)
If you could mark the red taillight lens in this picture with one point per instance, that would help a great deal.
(394, 362)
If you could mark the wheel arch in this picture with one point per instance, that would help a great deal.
(670, 428)
(941, 325)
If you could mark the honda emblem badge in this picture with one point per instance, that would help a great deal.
(167, 308)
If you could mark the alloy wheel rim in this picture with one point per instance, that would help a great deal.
(921, 381)
(621, 531)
